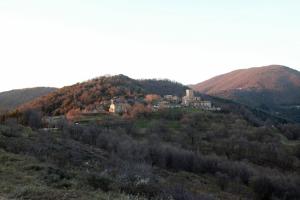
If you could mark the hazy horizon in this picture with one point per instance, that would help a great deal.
(58, 43)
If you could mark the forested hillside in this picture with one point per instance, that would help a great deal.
(274, 89)
(11, 99)
(163, 87)
(99, 91)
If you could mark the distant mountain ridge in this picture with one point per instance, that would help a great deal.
(274, 88)
(14, 98)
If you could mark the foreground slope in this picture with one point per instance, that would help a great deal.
(273, 88)
(175, 154)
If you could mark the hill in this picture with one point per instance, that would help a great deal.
(273, 88)
(98, 92)
(11, 99)
(178, 153)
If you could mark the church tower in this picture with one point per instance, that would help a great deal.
(112, 107)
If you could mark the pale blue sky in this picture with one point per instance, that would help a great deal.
(61, 42)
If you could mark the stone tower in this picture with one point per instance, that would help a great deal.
(189, 93)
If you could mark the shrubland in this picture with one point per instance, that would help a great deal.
(170, 154)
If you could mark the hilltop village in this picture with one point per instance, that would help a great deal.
(125, 107)
(156, 102)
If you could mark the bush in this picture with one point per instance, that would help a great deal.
(38, 193)
(32, 118)
(180, 193)
(291, 131)
(138, 179)
(56, 177)
(263, 187)
(222, 180)
(99, 181)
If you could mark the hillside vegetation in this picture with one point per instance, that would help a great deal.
(275, 89)
(98, 92)
(14, 98)
(172, 154)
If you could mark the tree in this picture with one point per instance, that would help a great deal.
(262, 187)
(73, 114)
(32, 118)
(151, 98)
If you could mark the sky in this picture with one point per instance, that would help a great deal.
(62, 42)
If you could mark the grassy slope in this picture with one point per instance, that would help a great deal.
(22, 177)
(25, 177)
(31, 175)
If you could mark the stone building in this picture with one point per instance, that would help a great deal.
(206, 104)
(118, 107)
(172, 99)
(190, 100)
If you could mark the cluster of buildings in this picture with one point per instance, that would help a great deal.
(118, 106)
(167, 101)
(191, 101)
(122, 106)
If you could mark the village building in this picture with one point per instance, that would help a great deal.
(155, 103)
(189, 100)
(164, 104)
(206, 104)
(118, 107)
(172, 99)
